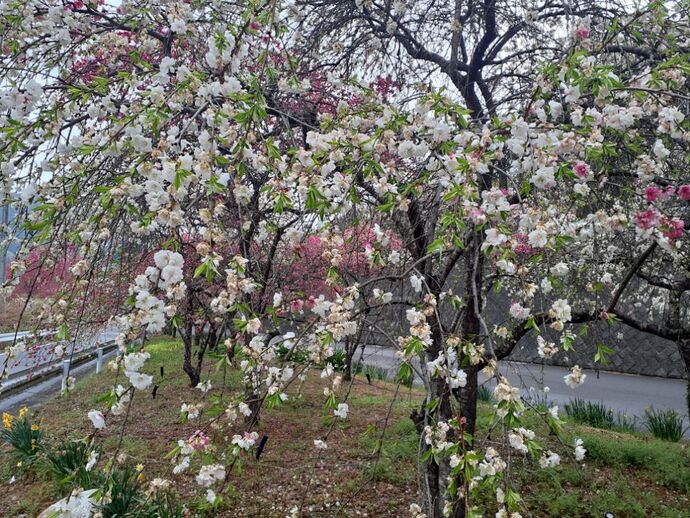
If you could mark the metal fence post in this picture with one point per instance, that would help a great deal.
(65, 374)
(99, 358)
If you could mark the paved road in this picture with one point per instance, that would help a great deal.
(41, 352)
(626, 393)
(40, 360)
(36, 394)
(621, 392)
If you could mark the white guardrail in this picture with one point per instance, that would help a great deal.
(40, 360)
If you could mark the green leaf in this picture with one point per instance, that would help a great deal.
(62, 332)
(436, 246)
(316, 201)
(272, 149)
(405, 374)
(603, 352)
(180, 176)
(513, 500)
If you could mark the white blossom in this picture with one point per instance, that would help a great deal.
(575, 378)
(97, 418)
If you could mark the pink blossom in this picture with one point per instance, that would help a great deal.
(385, 86)
(478, 215)
(296, 305)
(199, 440)
(581, 33)
(668, 192)
(652, 193)
(673, 229)
(581, 169)
(684, 192)
(520, 245)
(646, 219)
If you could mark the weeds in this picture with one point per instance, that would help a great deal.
(374, 372)
(124, 489)
(67, 465)
(598, 415)
(668, 465)
(24, 437)
(664, 424)
(484, 394)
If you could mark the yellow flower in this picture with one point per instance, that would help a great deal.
(140, 467)
(34, 427)
(7, 420)
(22, 412)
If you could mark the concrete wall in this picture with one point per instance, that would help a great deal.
(634, 352)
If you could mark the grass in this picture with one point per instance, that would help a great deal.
(398, 448)
(485, 394)
(667, 425)
(358, 475)
(372, 371)
(598, 415)
(668, 466)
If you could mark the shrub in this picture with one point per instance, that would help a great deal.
(337, 360)
(128, 499)
(163, 505)
(375, 372)
(125, 491)
(298, 355)
(24, 437)
(66, 464)
(598, 415)
(664, 424)
(484, 394)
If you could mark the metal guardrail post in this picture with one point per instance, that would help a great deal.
(65, 373)
(99, 358)
(37, 372)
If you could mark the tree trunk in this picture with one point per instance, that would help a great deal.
(252, 398)
(349, 354)
(213, 339)
(352, 345)
(470, 328)
(436, 475)
(188, 366)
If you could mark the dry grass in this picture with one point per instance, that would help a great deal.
(630, 476)
(340, 481)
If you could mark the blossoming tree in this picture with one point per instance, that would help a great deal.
(159, 122)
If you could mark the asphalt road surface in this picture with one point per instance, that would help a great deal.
(629, 394)
(626, 393)
(36, 394)
(35, 361)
